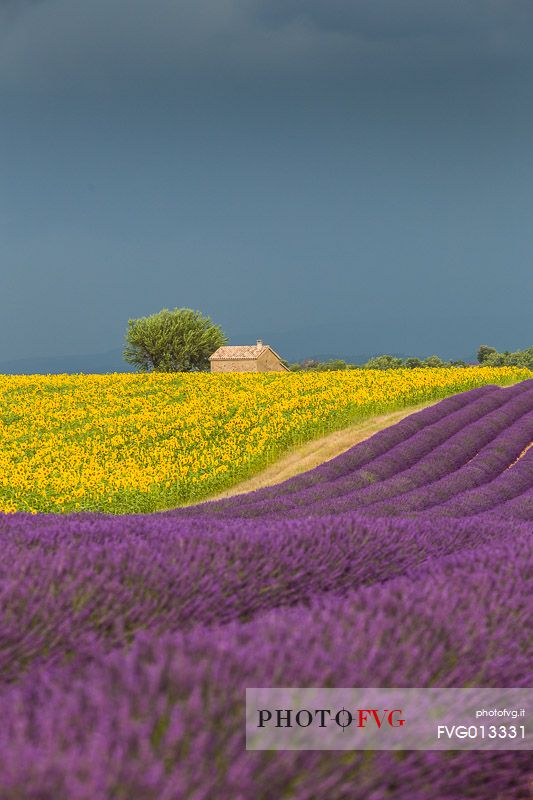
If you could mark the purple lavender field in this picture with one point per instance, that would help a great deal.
(127, 642)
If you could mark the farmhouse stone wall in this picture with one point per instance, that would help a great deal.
(268, 362)
(235, 365)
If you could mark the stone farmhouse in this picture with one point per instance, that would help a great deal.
(246, 358)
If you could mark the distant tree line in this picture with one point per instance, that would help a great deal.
(181, 340)
(376, 362)
(487, 356)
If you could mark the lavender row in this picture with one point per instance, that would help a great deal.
(363, 453)
(489, 463)
(425, 457)
(449, 472)
(164, 718)
(518, 508)
(513, 483)
(107, 579)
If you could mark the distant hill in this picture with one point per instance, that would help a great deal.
(110, 361)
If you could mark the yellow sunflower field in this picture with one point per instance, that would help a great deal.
(141, 442)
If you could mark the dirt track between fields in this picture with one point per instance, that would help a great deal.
(311, 454)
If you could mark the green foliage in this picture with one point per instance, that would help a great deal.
(332, 365)
(484, 352)
(308, 365)
(384, 362)
(521, 358)
(180, 340)
(487, 356)
(434, 361)
(413, 363)
(312, 365)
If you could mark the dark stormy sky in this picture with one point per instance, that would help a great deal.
(336, 176)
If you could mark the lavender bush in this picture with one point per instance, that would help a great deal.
(127, 642)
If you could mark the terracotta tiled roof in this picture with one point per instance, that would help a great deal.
(239, 351)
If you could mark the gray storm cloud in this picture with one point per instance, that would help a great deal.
(410, 19)
(373, 158)
(68, 44)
